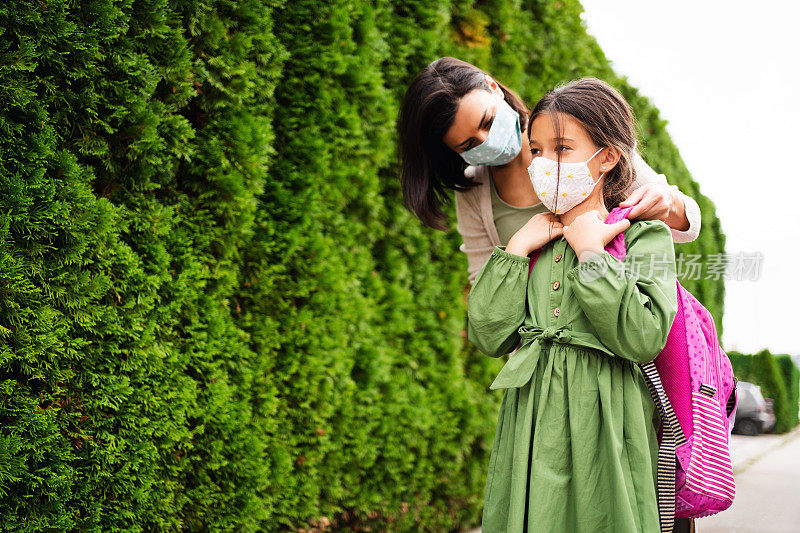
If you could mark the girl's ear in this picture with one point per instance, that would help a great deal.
(609, 158)
(494, 87)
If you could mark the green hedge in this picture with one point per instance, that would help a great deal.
(779, 379)
(791, 376)
(217, 314)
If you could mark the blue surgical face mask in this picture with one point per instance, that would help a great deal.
(504, 141)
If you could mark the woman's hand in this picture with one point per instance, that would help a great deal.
(654, 201)
(588, 234)
(537, 232)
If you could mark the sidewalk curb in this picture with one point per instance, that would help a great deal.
(787, 437)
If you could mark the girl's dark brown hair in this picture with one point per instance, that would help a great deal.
(607, 118)
(428, 167)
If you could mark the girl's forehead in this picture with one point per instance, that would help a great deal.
(543, 128)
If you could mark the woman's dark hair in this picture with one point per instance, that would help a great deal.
(607, 118)
(427, 165)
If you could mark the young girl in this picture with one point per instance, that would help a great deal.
(575, 448)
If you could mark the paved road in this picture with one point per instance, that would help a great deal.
(767, 474)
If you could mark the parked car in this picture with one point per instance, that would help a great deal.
(754, 414)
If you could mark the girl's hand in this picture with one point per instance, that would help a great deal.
(588, 234)
(537, 232)
(653, 201)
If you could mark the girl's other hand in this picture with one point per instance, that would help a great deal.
(537, 232)
(589, 234)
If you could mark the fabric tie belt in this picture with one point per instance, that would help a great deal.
(557, 334)
(522, 364)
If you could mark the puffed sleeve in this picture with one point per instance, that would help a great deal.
(645, 174)
(496, 303)
(631, 303)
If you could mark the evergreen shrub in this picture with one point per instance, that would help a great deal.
(216, 312)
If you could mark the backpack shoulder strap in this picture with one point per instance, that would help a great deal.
(671, 438)
(617, 245)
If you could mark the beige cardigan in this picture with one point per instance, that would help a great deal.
(479, 234)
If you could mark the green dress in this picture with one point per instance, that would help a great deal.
(575, 448)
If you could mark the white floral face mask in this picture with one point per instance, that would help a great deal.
(559, 196)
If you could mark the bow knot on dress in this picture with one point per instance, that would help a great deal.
(522, 364)
(551, 333)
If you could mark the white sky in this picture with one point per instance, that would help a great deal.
(726, 76)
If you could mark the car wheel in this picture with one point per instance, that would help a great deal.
(747, 427)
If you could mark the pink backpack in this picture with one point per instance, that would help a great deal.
(691, 382)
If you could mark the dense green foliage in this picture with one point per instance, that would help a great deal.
(779, 379)
(216, 313)
(791, 376)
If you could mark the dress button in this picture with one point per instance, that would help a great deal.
(556, 285)
(558, 257)
(556, 311)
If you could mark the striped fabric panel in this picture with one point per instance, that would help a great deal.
(732, 398)
(710, 471)
(708, 390)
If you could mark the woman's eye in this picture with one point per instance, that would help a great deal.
(562, 148)
(489, 122)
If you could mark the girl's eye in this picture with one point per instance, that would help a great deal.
(535, 151)
(489, 122)
(562, 148)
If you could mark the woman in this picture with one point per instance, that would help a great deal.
(454, 114)
(447, 113)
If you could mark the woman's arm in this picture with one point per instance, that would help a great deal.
(476, 242)
(658, 199)
(631, 303)
(496, 303)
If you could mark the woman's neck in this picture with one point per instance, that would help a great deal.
(513, 183)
